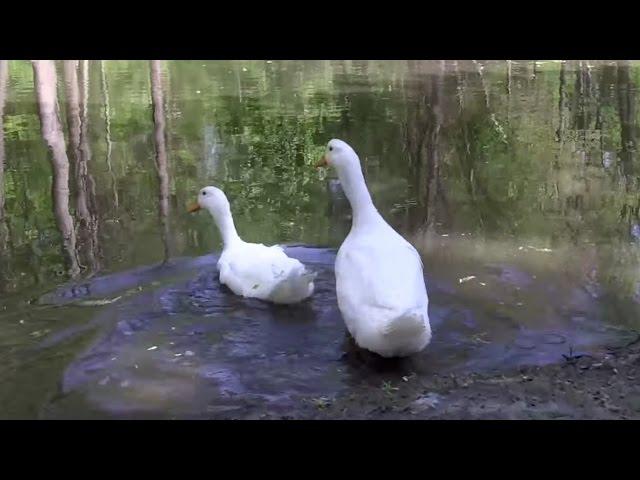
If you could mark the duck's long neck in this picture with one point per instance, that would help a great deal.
(224, 222)
(355, 188)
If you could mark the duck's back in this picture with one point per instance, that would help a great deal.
(379, 278)
(259, 271)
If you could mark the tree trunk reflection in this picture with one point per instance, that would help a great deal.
(4, 233)
(422, 137)
(627, 115)
(161, 152)
(88, 225)
(107, 121)
(45, 85)
(77, 120)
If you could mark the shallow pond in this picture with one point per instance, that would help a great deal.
(517, 182)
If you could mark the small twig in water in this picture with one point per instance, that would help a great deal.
(571, 358)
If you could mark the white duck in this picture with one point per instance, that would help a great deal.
(252, 269)
(379, 281)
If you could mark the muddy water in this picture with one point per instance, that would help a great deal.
(192, 349)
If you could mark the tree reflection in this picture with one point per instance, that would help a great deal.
(107, 121)
(4, 74)
(422, 137)
(88, 224)
(45, 86)
(562, 104)
(77, 119)
(161, 152)
(4, 232)
(627, 115)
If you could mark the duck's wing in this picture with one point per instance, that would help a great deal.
(254, 270)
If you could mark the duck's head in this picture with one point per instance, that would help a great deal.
(339, 155)
(212, 199)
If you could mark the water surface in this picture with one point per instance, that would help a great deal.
(517, 182)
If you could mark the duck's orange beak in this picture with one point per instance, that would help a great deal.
(323, 162)
(194, 207)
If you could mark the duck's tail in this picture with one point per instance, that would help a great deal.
(297, 286)
(410, 323)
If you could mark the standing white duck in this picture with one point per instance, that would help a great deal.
(379, 281)
(252, 269)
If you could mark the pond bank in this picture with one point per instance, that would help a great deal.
(582, 387)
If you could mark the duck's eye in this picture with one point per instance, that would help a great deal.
(331, 149)
(204, 193)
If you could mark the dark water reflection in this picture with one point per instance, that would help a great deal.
(517, 181)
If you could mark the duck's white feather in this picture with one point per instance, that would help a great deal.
(253, 269)
(381, 292)
(379, 275)
(258, 271)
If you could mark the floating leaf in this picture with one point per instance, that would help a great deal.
(99, 302)
(539, 249)
(466, 279)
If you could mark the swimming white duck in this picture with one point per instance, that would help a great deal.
(379, 281)
(251, 269)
